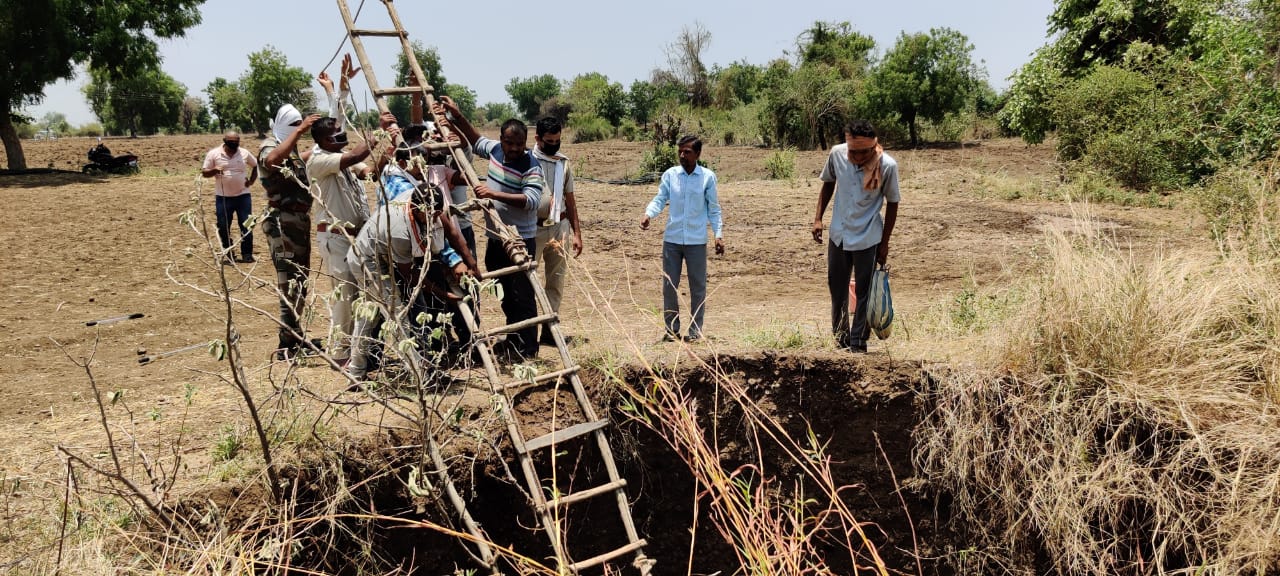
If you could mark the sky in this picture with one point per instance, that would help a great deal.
(483, 45)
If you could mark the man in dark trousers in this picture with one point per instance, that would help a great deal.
(861, 177)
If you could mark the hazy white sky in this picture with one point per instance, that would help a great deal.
(483, 45)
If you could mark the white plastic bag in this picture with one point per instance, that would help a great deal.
(880, 304)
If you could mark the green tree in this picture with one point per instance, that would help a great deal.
(271, 83)
(529, 93)
(642, 100)
(924, 76)
(42, 41)
(55, 121)
(1100, 31)
(836, 44)
(429, 60)
(736, 85)
(142, 102)
(193, 116)
(229, 103)
(497, 112)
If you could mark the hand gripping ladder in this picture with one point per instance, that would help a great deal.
(547, 509)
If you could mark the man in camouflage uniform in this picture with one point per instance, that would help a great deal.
(288, 221)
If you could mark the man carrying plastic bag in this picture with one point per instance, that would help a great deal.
(861, 177)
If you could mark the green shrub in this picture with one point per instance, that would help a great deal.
(590, 128)
(659, 158)
(89, 129)
(1118, 122)
(781, 165)
(629, 131)
(26, 131)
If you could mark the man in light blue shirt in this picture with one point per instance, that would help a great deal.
(861, 177)
(690, 190)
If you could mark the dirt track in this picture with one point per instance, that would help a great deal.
(90, 248)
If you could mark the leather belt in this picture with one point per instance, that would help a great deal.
(295, 207)
(352, 231)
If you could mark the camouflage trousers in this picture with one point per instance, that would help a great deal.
(289, 237)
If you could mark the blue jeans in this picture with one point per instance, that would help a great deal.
(694, 259)
(241, 207)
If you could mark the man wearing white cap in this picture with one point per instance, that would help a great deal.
(288, 221)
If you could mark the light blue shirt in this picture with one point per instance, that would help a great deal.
(855, 219)
(693, 202)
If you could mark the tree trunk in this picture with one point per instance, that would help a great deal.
(12, 144)
(915, 133)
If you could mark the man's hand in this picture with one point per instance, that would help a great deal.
(308, 121)
(483, 192)
(348, 72)
(450, 106)
(882, 253)
(459, 270)
(644, 223)
(719, 247)
(387, 120)
(325, 82)
(577, 245)
(817, 231)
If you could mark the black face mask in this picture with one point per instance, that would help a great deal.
(340, 138)
(231, 146)
(550, 149)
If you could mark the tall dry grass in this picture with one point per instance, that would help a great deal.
(1129, 425)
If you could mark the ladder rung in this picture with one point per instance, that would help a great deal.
(397, 90)
(564, 435)
(543, 378)
(521, 325)
(390, 33)
(587, 494)
(607, 556)
(508, 270)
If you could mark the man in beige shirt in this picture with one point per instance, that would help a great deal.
(557, 215)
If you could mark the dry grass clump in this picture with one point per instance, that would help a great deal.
(1131, 427)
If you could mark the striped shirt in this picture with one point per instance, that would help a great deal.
(521, 175)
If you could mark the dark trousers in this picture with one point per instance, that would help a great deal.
(692, 257)
(289, 236)
(241, 207)
(841, 264)
(432, 305)
(518, 301)
(460, 328)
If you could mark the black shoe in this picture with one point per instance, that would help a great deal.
(247, 259)
(670, 337)
(693, 338)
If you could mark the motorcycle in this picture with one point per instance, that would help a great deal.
(102, 161)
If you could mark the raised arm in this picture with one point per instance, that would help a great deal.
(458, 120)
(281, 152)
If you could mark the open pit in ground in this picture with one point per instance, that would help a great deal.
(862, 409)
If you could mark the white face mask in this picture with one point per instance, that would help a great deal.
(280, 127)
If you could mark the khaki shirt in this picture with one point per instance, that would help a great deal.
(340, 198)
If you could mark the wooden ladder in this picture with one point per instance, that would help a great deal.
(548, 510)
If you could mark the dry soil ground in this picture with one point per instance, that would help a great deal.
(84, 248)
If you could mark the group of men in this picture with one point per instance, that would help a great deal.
(411, 251)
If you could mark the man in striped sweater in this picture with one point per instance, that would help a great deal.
(515, 185)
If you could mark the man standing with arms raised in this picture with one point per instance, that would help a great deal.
(288, 221)
(515, 184)
(234, 170)
(557, 215)
(861, 177)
